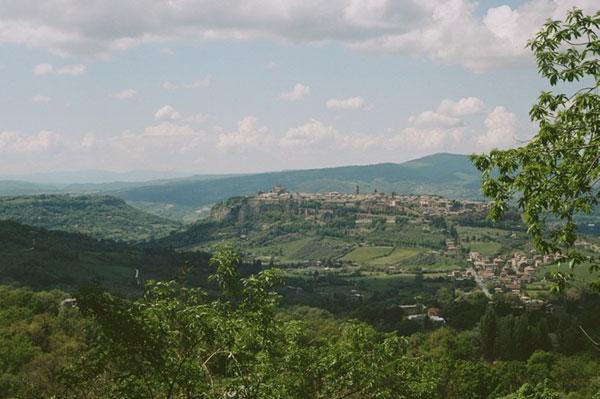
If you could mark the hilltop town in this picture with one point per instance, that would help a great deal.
(369, 205)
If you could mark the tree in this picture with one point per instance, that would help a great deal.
(554, 175)
(540, 391)
(488, 327)
(523, 345)
(179, 342)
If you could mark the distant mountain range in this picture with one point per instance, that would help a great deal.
(93, 176)
(449, 175)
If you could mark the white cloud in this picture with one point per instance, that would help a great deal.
(432, 118)
(196, 119)
(427, 140)
(346, 103)
(247, 135)
(167, 112)
(169, 129)
(199, 84)
(157, 145)
(501, 130)
(314, 136)
(15, 142)
(298, 92)
(449, 32)
(70, 70)
(464, 107)
(88, 141)
(502, 21)
(125, 94)
(42, 69)
(449, 113)
(40, 99)
(311, 134)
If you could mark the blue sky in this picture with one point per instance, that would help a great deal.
(216, 87)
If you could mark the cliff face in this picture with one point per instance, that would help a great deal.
(227, 211)
(234, 210)
(239, 210)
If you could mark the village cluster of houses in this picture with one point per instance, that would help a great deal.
(511, 274)
(371, 205)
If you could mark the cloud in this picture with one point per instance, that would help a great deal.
(449, 113)
(167, 112)
(69, 70)
(125, 94)
(157, 145)
(15, 142)
(315, 136)
(427, 140)
(433, 118)
(298, 92)
(464, 107)
(169, 129)
(346, 103)
(501, 130)
(168, 85)
(248, 135)
(310, 135)
(40, 99)
(42, 69)
(449, 32)
(196, 119)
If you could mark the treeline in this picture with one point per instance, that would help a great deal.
(515, 335)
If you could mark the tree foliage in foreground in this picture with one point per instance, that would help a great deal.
(179, 342)
(176, 342)
(555, 175)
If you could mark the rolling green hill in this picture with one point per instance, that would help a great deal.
(448, 175)
(100, 216)
(43, 259)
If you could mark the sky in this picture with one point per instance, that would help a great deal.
(224, 86)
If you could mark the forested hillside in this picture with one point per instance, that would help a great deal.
(44, 259)
(98, 216)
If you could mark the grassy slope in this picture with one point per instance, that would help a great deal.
(98, 216)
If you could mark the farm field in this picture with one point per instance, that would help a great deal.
(489, 248)
(399, 254)
(367, 254)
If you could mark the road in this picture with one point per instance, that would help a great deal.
(479, 282)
